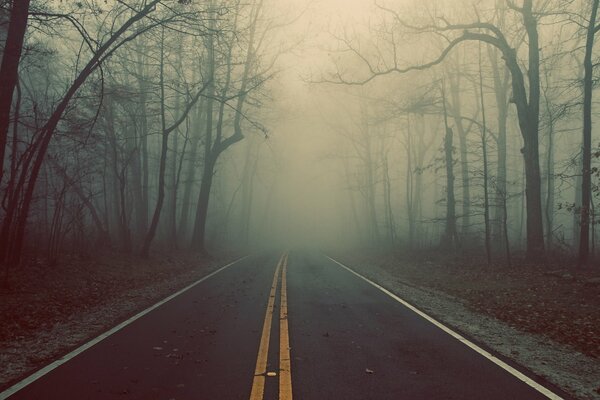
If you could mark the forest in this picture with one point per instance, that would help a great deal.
(444, 152)
(132, 126)
(439, 127)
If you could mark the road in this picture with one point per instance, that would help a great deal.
(274, 326)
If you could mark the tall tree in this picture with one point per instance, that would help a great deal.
(217, 142)
(586, 172)
(15, 219)
(9, 69)
(526, 93)
(450, 238)
(486, 200)
(165, 132)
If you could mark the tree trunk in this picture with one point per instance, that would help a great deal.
(450, 239)
(139, 162)
(247, 188)
(166, 131)
(586, 172)
(199, 235)
(409, 186)
(370, 193)
(486, 200)
(499, 229)
(9, 69)
(163, 155)
(577, 203)
(47, 131)
(119, 175)
(456, 110)
(549, 209)
(190, 175)
(199, 232)
(387, 193)
(530, 127)
(220, 144)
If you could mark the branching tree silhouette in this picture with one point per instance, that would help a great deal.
(525, 96)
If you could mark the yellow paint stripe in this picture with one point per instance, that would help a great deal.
(285, 368)
(258, 383)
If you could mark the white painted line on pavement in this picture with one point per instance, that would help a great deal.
(543, 390)
(38, 374)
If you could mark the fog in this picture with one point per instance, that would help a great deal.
(393, 125)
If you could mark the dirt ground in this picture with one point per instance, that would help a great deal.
(547, 318)
(46, 312)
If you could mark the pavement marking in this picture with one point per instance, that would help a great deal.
(285, 367)
(38, 374)
(258, 383)
(516, 373)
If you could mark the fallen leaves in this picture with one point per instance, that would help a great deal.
(47, 311)
(558, 303)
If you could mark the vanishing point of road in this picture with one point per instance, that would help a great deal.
(298, 325)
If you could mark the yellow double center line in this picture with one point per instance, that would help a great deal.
(285, 373)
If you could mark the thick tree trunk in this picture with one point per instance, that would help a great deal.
(535, 233)
(530, 127)
(586, 172)
(527, 103)
(9, 69)
(486, 201)
(220, 144)
(456, 110)
(450, 239)
(199, 235)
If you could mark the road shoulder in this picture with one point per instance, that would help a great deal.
(47, 317)
(574, 372)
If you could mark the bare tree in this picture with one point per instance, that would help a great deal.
(165, 132)
(15, 219)
(526, 93)
(586, 180)
(9, 69)
(450, 239)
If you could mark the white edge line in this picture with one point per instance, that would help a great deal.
(543, 390)
(41, 372)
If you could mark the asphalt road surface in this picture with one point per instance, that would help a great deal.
(276, 326)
